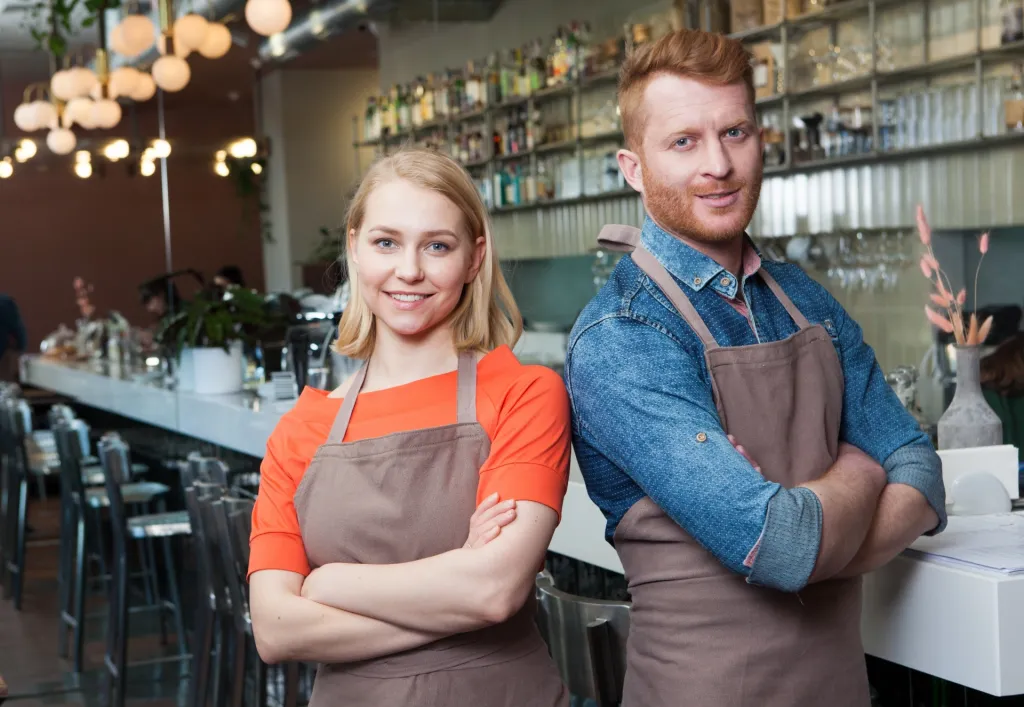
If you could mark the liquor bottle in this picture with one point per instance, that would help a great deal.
(1013, 106)
(427, 102)
(472, 100)
(457, 93)
(507, 77)
(416, 109)
(392, 111)
(441, 98)
(497, 141)
(369, 118)
(538, 67)
(1012, 13)
(556, 60)
(404, 112)
(494, 94)
(523, 87)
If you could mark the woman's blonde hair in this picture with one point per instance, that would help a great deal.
(486, 317)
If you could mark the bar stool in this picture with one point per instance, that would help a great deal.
(587, 640)
(14, 504)
(117, 492)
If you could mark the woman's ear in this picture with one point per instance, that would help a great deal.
(352, 246)
(479, 251)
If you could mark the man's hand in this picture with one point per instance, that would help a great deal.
(746, 455)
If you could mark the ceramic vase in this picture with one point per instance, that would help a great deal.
(969, 421)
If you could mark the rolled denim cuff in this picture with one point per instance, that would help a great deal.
(918, 466)
(788, 548)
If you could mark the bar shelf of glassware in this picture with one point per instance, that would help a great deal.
(856, 81)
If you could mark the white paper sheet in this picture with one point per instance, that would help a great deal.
(993, 542)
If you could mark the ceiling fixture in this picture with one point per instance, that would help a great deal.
(83, 164)
(244, 148)
(161, 149)
(147, 163)
(117, 150)
(268, 17)
(25, 150)
(6, 168)
(133, 35)
(61, 141)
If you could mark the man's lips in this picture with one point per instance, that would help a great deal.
(720, 199)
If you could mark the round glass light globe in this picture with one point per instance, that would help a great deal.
(44, 114)
(137, 35)
(190, 30)
(25, 117)
(180, 49)
(6, 169)
(106, 113)
(171, 73)
(144, 89)
(217, 42)
(83, 81)
(62, 85)
(268, 17)
(123, 81)
(61, 141)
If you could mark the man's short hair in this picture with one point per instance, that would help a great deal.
(688, 53)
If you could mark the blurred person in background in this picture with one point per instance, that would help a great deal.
(228, 276)
(1002, 382)
(13, 339)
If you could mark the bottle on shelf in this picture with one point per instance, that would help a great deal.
(538, 67)
(498, 139)
(473, 94)
(371, 121)
(391, 112)
(507, 75)
(457, 93)
(427, 100)
(404, 111)
(1012, 15)
(416, 109)
(1013, 107)
(493, 95)
(523, 73)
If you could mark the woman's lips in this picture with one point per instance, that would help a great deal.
(406, 301)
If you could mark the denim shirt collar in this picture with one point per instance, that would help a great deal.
(686, 264)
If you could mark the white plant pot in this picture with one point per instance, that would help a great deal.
(186, 371)
(216, 372)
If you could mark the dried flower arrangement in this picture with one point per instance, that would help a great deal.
(951, 317)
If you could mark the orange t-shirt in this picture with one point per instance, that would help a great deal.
(523, 409)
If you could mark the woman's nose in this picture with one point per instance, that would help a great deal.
(409, 267)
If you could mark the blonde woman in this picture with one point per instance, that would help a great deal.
(364, 555)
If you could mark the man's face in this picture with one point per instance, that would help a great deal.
(156, 305)
(699, 164)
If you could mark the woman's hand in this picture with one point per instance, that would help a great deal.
(746, 455)
(487, 521)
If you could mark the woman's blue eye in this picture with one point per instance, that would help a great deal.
(384, 243)
(439, 247)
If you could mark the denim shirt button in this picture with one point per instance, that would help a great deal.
(702, 437)
(725, 282)
(697, 281)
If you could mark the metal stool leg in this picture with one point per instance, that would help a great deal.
(262, 699)
(240, 646)
(174, 598)
(117, 634)
(64, 569)
(78, 609)
(18, 569)
(201, 656)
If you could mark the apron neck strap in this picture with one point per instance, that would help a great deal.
(466, 396)
(798, 318)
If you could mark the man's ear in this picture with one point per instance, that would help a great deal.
(629, 163)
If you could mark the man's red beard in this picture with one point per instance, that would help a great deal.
(674, 210)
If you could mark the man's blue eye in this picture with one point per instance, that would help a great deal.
(682, 142)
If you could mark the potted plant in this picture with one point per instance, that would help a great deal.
(968, 421)
(323, 271)
(207, 336)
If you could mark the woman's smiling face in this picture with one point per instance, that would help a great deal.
(414, 256)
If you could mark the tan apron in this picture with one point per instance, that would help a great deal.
(701, 635)
(403, 497)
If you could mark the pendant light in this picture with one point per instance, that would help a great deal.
(268, 17)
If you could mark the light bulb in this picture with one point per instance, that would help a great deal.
(240, 149)
(144, 89)
(25, 117)
(123, 81)
(137, 35)
(190, 30)
(217, 41)
(221, 155)
(116, 150)
(62, 85)
(61, 141)
(83, 169)
(44, 114)
(19, 155)
(256, 168)
(221, 169)
(83, 156)
(106, 113)
(268, 17)
(171, 73)
(161, 149)
(6, 169)
(79, 110)
(147, 168)
(28, 148)
(83, 81)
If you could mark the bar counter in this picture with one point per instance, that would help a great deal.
(958, 624)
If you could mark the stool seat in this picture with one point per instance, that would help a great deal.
(160, 525)
(92, 475)
(142, 492)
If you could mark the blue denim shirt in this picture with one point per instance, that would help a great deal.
(640, 393)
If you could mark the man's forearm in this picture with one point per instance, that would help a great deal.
(849, 494)
(903, 515)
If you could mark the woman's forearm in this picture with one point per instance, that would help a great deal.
(288, 627)
(454, 592)
(450, 593)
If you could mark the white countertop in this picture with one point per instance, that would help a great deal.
(962, 625)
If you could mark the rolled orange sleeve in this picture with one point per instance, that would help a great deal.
(276, 539)
(529, 459)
